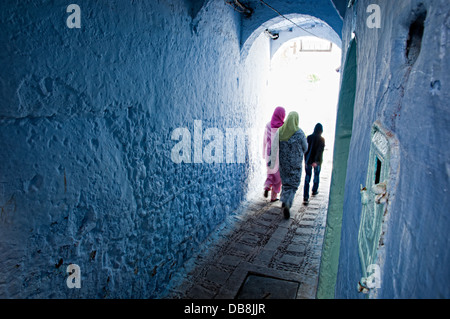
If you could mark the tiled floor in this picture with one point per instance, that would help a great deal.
(261, 242)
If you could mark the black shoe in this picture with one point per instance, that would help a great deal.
(305, 201)
(315, 193)
(266, 193)
(286, 212)
(283, 204)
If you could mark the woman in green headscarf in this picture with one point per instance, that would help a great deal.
(293, 146)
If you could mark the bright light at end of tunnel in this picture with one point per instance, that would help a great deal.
(304, 78)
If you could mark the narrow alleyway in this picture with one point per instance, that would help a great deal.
(283, 254)
(131, 149)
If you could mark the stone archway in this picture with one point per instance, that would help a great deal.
(288, 27)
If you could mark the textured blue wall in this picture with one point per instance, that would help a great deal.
(86, 117)
(412, 103)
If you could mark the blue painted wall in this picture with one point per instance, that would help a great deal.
(341, 6)
(86, 118)
(412, 103)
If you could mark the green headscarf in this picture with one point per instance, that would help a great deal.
(289, 127)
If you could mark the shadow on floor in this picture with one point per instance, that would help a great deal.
(261, 250)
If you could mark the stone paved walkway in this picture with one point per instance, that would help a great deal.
(261, 242)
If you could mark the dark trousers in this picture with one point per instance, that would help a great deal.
(308, 169)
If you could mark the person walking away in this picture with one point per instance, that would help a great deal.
(271, 154)
(313, 160)
(293, 145)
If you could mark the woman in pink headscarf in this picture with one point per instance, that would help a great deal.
(270, 149)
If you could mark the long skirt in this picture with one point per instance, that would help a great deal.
(291, 158)
(273, 182)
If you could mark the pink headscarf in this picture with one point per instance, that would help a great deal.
(271, 129)
(278, 117)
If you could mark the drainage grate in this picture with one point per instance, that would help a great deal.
(263, 287)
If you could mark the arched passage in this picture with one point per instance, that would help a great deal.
(107, 131)
(288, 27)
(286, 32)
(344, 123)
(267, 15)
(257, 53)
(303, 78)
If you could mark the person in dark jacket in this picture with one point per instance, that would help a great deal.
(313, 160)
